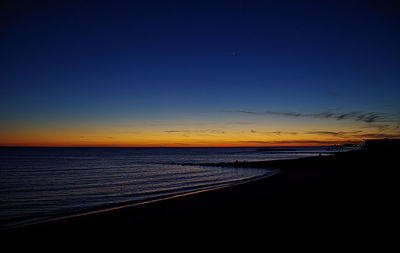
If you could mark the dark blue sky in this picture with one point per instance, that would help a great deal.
(77, 61)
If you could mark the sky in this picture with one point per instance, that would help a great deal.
(198, 73)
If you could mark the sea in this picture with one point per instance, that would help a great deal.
(41, 184)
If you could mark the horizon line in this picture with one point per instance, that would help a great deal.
(322, 145)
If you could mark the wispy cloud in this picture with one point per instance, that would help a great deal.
(294, 142)
(176, 131)
(272, 132)
(354, 134)
(380, 135)
(201, 131)
(367, 117)
(335, 134)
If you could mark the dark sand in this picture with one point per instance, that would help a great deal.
(341, 194)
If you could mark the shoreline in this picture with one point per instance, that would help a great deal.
(320, 192)
(134, 203)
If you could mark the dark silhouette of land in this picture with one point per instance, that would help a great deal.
(345, 193)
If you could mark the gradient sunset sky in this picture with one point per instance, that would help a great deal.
(198, 73)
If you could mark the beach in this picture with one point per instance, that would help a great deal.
(321, 193)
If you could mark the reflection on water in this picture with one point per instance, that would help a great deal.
(38, 183)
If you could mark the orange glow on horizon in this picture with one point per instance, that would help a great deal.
(177, 143)
(183, 136)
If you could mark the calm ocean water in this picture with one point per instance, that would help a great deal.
(43, 183)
